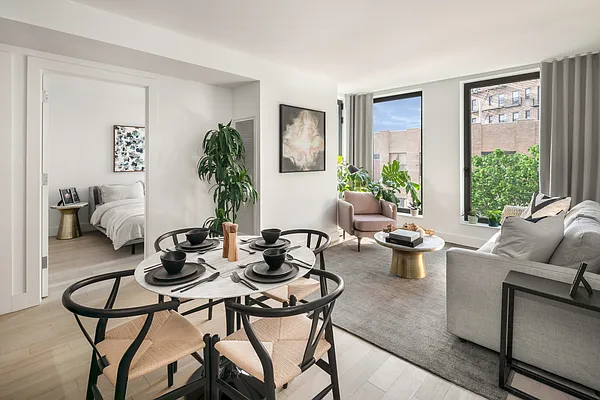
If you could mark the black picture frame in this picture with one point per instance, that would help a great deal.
(290, 116)
(66, 196)
(580, 279)
(75, 195)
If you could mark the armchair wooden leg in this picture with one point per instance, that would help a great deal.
(359, 244)
(210, 310)
(344, 235)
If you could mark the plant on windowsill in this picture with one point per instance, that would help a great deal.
(494, 217)
(223, 165)
(415, 207)
(472, 216)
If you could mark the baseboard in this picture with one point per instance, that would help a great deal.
(53, 230)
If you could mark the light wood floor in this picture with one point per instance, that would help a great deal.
(43, 354)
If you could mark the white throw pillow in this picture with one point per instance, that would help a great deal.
(527, 240)
(112, 193)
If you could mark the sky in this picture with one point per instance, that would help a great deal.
(397, 115)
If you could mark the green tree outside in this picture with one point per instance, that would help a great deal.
(500, 179)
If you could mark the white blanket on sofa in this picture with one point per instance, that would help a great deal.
(123, 220)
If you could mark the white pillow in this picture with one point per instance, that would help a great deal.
(112, 193)
(526, 240)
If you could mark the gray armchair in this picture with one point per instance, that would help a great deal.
(362, 215)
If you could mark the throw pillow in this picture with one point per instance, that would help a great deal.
(112, 193)
(542, 205)
(528, 240)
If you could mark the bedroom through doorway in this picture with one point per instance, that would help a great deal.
(93, 162)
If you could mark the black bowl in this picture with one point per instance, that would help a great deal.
(173, 261)
(274, 257)
(197, 236)
(270, 235)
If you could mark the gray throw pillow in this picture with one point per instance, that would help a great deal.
(580, 244)
(528, 240)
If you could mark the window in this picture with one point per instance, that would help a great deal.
(500, 100)
(340, 125)
(497, 173)
(528, 93)
(515, 97)
(397, 136)
(474, 105)
(473, 120)
(491, 100)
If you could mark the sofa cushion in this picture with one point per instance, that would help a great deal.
(364, 203)
(372, 222)
(587, 208)
(581, 243)
(542, 205)
(489, 245)
(527, 240)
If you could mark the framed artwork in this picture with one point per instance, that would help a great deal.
(129, 150)
(66, 196)
(75, 195)
(301, 139)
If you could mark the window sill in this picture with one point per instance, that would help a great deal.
(409, 216)
(481, 225)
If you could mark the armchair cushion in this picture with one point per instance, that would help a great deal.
(364, 203)
(346, 216)
(389, 209)
(372, 222)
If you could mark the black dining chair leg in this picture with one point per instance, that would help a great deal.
(93, 378)
(121, 387)
(170, 373)
(213, 368)
(210, 310)
(332, 361)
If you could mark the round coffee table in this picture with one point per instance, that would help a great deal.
(408, 262)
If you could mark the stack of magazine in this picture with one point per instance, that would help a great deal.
(403, 237)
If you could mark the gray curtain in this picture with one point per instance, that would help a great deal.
(359, 116)
(570, 128)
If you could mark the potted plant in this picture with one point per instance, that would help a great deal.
(472, 216)
(223, 165)
(415, 207)
(494, 217)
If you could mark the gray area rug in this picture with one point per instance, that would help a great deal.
(408, 317)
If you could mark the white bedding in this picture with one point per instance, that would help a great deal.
(122, 219)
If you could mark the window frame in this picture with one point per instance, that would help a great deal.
(408, 95)
(467, 133)
(515, 100)
(501, 100)
(527, 93)
(527, 114)
(340, 106)
(474, 105)
(501, 118)
(513, 116)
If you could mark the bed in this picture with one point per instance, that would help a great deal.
(121, 220)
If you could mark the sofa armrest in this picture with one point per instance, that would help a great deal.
(389, 209)
(345, 212)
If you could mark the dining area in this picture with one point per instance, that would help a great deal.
(278, 300)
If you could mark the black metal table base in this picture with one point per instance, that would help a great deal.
(235, 377)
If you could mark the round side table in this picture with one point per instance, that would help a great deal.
(69, 227)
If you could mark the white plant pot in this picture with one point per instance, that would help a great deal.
(414, 213)
(473, 219)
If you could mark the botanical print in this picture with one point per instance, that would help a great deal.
(129, 148)
(302, 139)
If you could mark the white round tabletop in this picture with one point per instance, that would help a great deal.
(223, 286)
(430, 243)
(71, 206)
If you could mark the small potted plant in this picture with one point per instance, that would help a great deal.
(472, 216)
(494, 217)
(415, 207)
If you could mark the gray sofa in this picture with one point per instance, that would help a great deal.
(552, 336)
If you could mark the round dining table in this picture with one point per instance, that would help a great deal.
(223, 287)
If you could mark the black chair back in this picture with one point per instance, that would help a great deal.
(321, 242)
(173, 235)
(320, 308)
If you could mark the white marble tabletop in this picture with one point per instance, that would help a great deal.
(223, 286)
(430, 243)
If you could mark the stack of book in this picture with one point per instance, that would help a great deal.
(403, 237)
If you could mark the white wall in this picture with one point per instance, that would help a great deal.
(443, 160)
(79, 137)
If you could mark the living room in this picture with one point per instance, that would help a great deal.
(478, 135)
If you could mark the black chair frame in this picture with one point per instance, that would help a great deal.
(100, 362)
(173, 236)
(322, 243)
(317, 310)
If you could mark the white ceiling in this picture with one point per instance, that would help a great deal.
(369, 45)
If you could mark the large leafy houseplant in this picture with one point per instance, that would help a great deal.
(223, 165)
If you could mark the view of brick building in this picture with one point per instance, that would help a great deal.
(503, 117)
